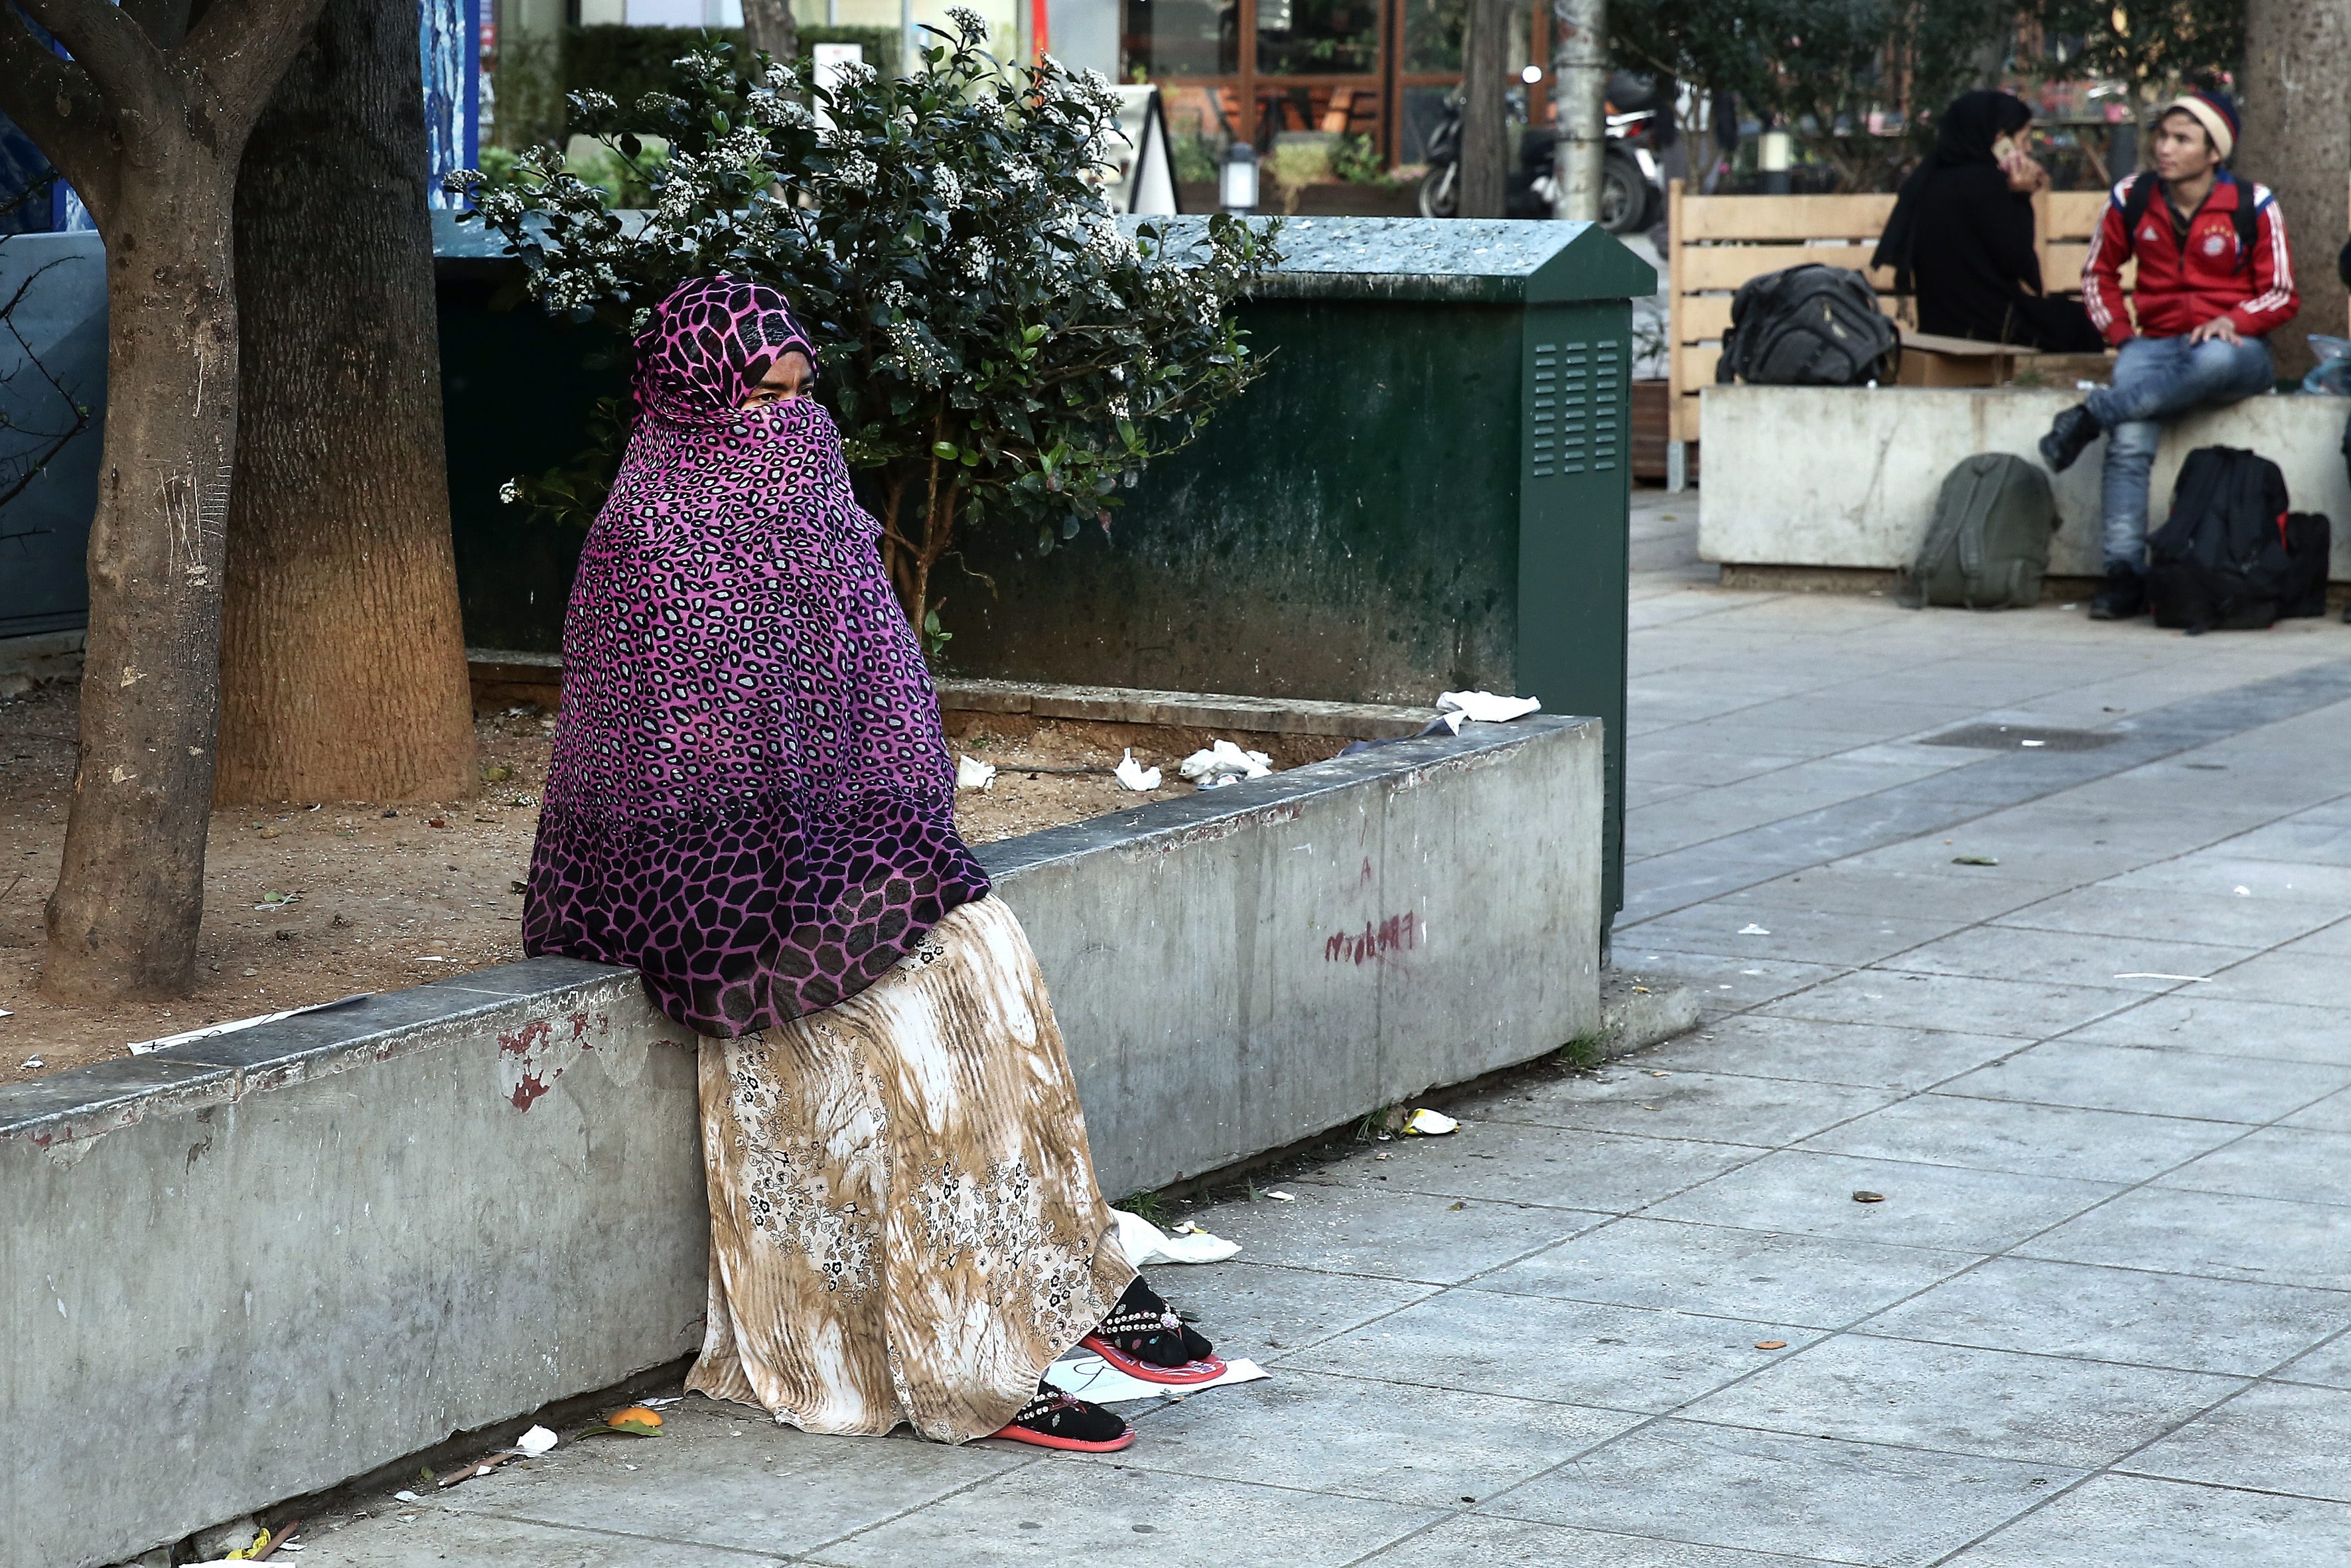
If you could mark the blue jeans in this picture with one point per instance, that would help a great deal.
(2156, 381)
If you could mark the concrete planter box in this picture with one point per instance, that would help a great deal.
(253, 1267)
(1846, 477)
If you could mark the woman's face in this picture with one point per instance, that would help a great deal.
(788, 377)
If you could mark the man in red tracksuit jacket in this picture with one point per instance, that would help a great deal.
(2215, 278)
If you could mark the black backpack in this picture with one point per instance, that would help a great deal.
(2221, 561)
(1809, 326)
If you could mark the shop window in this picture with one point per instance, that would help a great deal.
(1318, 37)
(1181, 38)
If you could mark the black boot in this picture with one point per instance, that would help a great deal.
(2124, 596)
(2069, 432)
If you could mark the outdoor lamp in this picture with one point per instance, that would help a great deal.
(1773, 155)
(1531, 75)
(1237, 181)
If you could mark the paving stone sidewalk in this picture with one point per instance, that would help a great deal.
(1636, 1318)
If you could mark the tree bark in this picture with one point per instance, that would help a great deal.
(1484, 122)
(147, 119)
(1580, 88)
(123, 919)
(2297, 140)
(768, 25)
(342, 655)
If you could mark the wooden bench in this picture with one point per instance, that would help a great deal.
(1720, 242)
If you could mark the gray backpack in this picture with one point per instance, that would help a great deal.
(1988, 546)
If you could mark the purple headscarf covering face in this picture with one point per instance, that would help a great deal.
(750, 799)
(708, 344)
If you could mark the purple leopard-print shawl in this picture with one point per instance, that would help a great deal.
(751, 800)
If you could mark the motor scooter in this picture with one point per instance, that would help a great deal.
(1630, 195)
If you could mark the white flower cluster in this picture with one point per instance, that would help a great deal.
(509, 493)
(855, 171)
(970, 23)
(1021, 177)
(656, 105)
(575, 287)
(853, 74)
(977, 259)
(593, 101)
(767, 108)
(836, 139)
(681, 191)
(915, 356)
(949, 188)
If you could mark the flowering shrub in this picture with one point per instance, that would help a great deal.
(992, 346)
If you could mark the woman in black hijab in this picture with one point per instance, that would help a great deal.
(1961, 236)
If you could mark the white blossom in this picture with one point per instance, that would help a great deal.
(949, 188)
(977, 259)
(853, 74)
(856, 172)
(509, 492)
(969, 23)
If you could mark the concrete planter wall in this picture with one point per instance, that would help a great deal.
(255, 1266)
(1846, 477)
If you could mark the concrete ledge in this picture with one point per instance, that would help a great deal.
(1846, 477)
(504, 675)
(255, 1266)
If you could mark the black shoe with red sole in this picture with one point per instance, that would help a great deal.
(1144, 1338)
(1058, 1420)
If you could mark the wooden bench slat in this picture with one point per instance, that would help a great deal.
(1783, 217)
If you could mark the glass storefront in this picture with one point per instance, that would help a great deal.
(1252, 69)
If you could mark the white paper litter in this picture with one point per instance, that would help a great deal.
(536, 1441)
(1431, 1123)
(1485, 708)
(973, 774)
(2032, 743)
(1224, 763)
(1091, 1377)
(31, 1062)
(1134, 775)
(406, 1497)
(1751, 929)
(1145, 1244)
(1281, 1198)
(142, 1047)
(2245, 892)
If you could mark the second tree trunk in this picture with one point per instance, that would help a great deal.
(342, 659)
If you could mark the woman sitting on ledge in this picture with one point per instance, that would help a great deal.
(751, 803)
(1961, 236)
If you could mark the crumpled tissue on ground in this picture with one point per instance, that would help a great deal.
(1145, 1244)
(973, 774)
(1224, 763)
(1134, 775)
(1485, 708)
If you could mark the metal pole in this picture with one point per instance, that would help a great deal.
(1579, 69)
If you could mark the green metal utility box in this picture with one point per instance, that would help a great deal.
(1427, 491)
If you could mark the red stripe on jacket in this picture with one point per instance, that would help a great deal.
(2180, 288)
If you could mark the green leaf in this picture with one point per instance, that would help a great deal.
(944, 450)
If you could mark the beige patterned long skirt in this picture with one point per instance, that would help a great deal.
(904, 1219)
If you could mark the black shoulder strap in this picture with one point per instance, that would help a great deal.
(2135, 198)
(2249, 224)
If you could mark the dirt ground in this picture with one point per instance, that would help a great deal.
(310, 902)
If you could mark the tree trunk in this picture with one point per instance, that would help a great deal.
(123, 920)
(1580, 88)
(768, 25)
(1485, 123)
(2297, 140)
(342, 658)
